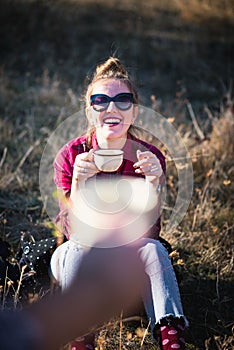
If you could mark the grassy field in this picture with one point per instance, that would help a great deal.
(180, 54)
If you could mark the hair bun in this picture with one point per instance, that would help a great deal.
(112, 67)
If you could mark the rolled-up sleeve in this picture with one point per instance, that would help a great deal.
(63, 169)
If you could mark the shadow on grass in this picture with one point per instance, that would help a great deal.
(208, 304)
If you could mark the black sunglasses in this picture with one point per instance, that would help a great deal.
(100, 102)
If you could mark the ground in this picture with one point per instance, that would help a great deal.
(180, 54)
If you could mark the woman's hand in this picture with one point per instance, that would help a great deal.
(149, 165)
(84, 167)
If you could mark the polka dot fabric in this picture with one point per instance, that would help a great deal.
(37, 252)
(172, 337)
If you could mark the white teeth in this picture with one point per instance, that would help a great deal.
(112, 121)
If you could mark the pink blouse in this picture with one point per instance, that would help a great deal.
(63, 170)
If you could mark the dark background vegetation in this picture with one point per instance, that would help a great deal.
(177, 52)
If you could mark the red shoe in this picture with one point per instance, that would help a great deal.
(82, 344)
(78, 344)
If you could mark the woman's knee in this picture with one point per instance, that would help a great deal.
(56, 258)
(152, 252)
(150, 245)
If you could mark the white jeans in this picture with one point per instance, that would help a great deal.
(162, 296)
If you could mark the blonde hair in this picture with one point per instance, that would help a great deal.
(112, 68)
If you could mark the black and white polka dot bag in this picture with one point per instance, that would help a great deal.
(36, 253)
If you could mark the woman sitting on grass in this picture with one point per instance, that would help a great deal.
(111, 109)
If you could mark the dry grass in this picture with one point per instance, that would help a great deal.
(198, 10)
(41, 85)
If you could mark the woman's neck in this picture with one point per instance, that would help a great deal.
(117, 143)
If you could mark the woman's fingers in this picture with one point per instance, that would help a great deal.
(148, 164)
(84, 166)
(88, 156)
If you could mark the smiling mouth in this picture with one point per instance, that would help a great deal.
(112, 121)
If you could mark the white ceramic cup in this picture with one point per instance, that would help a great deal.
(108, 160)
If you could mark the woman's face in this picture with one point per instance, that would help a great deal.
(112, 123)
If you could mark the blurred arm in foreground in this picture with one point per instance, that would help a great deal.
(107, 281)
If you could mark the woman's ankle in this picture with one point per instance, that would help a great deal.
(170, 333)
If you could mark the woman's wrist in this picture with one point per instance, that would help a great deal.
(75, 186)
(154, 180)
